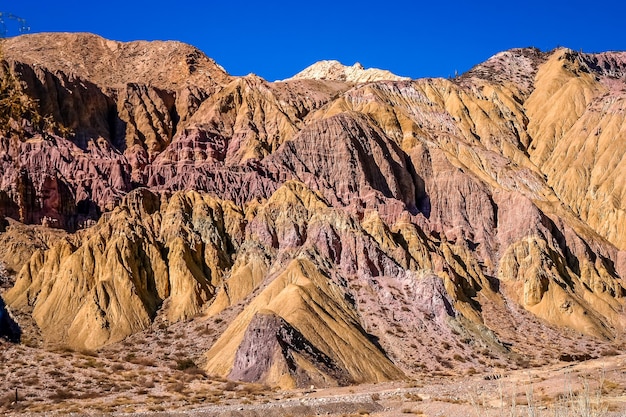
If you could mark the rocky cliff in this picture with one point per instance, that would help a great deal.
(345, 230)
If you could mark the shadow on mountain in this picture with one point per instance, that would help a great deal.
(9, 329)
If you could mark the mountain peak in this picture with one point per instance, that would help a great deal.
(335, 71)
(165, 64)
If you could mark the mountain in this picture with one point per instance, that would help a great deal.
(341, 227)
(332, 70)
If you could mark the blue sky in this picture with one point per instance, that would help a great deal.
(276, 39)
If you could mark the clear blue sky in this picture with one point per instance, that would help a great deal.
(276, 39)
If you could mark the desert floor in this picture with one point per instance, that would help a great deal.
(72, 383)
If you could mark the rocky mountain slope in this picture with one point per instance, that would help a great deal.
(334, 70)
(331, 230)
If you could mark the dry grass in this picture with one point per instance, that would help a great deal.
(165, 379)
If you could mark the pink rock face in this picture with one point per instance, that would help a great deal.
(344, 157)
(609, 64)
(51, 180)
(122, 110)
(517, 66)
(455, 205)
(270, 339)
(347, 159)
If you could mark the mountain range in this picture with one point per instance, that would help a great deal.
(343, 226)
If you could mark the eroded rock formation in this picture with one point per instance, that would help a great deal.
(349, 230)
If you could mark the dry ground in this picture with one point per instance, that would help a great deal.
(51, 381)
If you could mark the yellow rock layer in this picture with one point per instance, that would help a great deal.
(314, 306)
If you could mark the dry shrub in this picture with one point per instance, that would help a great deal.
(412, 397)
(7, 399)
(156, 408)
(61, 394)
(55, 373)
(89, 363)
(185, 364)
(230, 386)
(88, 395)
(31, 381)
(146, 383)
(195, 371)
(87, 352)
(176, 387)
(609, 352)
(255, 389)
(117, 367)
(143, 361)
(216, 397)
(471, 371)
(608, 386)
(204, 329)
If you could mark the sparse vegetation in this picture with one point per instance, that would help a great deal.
(185, 364)
(144, 389)
(19, 113)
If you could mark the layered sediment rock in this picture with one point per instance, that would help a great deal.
(349, 230)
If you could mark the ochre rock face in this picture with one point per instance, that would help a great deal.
(348, 230)
(113, 283)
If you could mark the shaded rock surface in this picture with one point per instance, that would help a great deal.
(9, 329)
(271, 345)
